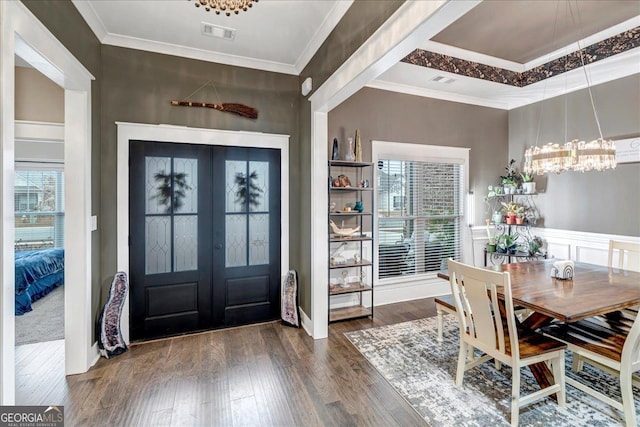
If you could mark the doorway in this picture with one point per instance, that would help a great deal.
(205, 251)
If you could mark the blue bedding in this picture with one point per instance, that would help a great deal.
(37, 274)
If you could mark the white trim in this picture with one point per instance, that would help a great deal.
(408, 291)
(23, 35)
(330, 21)
(91, 18)
(469, 55)
(94, 354)
(187, 135)
(200, 54)
(39, 131)
(435, 94)
(307, 325)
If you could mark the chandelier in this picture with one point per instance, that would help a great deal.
(226, 6)
(580, 156)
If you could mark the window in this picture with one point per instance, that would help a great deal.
(420, 212)
(39, 209)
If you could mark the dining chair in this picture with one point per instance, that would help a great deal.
(491, 328)
(628, 255)
(610, 342)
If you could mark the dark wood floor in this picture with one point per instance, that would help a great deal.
(257, 375)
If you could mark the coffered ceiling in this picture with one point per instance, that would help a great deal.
(475, 59)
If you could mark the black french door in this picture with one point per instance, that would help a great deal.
(204, 237)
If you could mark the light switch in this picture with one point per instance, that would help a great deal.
(94, 223)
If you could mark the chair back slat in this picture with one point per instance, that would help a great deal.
(487, 327)
(624, 255)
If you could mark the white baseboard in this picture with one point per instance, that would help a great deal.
(306, 322)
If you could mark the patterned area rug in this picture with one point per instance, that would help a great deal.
(422, 371)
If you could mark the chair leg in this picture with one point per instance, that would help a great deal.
(440, 322)
(558, 376)
(515, 395)
(627, 400)
(578, 363)
(461, 362)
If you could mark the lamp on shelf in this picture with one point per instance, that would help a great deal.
(226, 6)
(575, 155)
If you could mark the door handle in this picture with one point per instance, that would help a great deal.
(218, 246)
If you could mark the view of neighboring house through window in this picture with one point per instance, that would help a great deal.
(39, 209)
(420, 212)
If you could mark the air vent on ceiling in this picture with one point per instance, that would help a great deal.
(443, 79)
(217, 31)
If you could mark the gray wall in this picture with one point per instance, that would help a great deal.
(599, 202)
(137, 87)
(362, 19)
(38, 98)
(395, 117)
(66, 24)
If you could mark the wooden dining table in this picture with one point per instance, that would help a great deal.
(594, 290)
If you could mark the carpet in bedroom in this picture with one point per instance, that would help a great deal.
(45, 322)
(422, 371)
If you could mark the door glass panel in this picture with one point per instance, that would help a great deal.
(185, 181)
(236, 240)
(157, 244)
(157, 184)
(185, 242)
(235, 176)
(258, 239)
(259, 186)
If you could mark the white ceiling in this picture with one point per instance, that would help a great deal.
(282, 36)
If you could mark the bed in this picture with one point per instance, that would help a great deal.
(37, 273)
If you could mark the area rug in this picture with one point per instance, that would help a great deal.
(422, 371)
(45, 322)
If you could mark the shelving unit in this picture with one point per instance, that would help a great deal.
(523, 230)
(351, 257)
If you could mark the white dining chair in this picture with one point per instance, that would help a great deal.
(493, 332)
(611, 343)
(628, 255)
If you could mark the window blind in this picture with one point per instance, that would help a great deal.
(39, 209)
(420, 212)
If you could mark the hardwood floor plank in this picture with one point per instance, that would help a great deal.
(266, 374)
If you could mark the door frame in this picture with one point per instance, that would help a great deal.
(187, 135)
(22, 34)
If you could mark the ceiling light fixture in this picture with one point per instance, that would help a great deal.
(225, 6)
(575, 155)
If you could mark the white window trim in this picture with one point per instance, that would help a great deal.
(424, 153)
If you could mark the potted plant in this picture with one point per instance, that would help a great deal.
(512, 210)
(520, 218)
(506, 243)
(528, 186)
(535, 245)
(510, 179)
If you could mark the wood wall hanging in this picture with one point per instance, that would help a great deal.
(239, 109)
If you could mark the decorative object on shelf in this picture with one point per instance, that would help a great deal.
(510, 180)
(581, 156)
(535, 245)
(225, 6)
(512, 210)
(349, 157)
(363, 277)
(344, 275)
(289, 310)
(497, 217)
(358, 207)
(364, 183)
(357, 258)
(345, 232)
(332, 207)
(342, 181)
(338, 260)
(335, 152)
(528, 186)
(358, 146)
(491, 242)
(493, 191)
(562, 270)
(506, 243)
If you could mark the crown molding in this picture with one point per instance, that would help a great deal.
(200, 54)
(472, 56)
(331, 20)
(91, 18)
(430, 93)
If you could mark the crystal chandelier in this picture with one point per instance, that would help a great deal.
(226, 6)
(580, 156)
